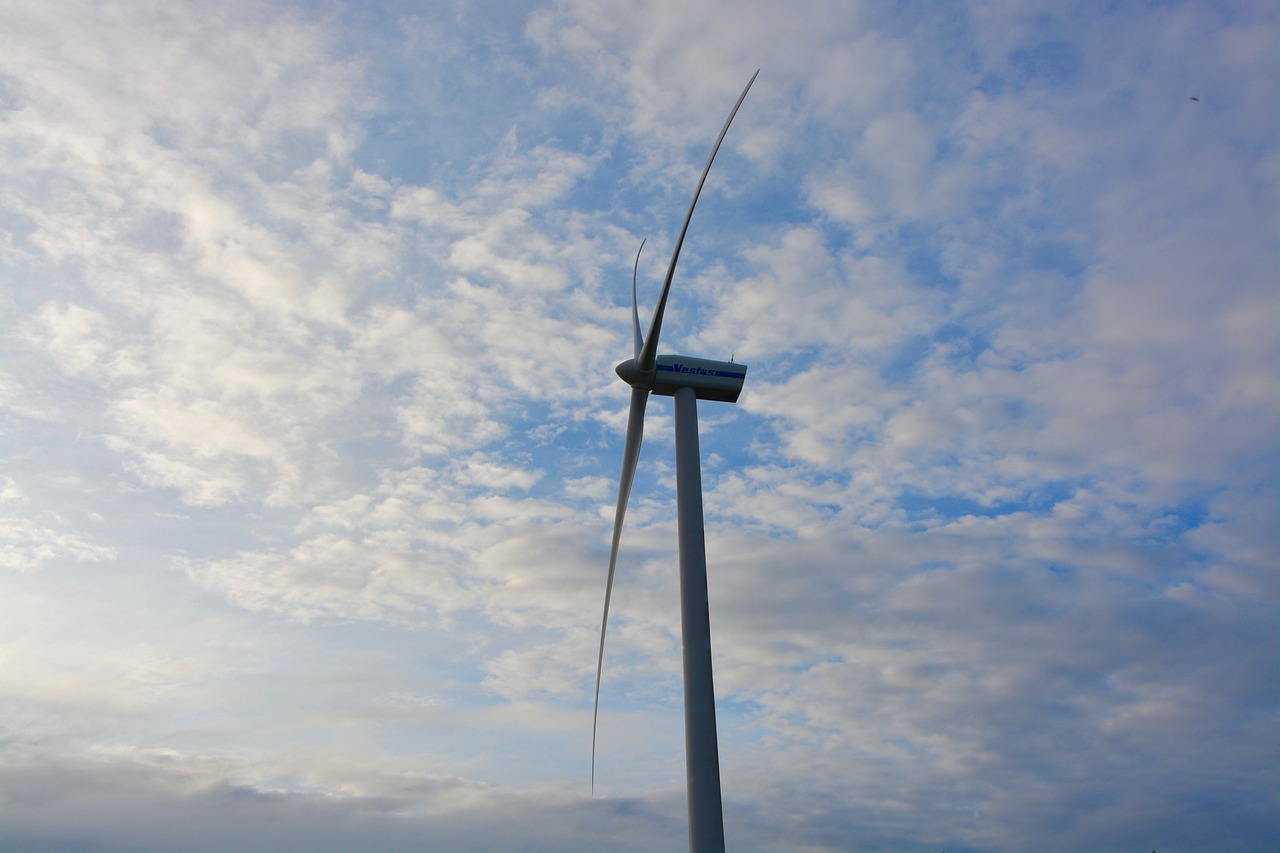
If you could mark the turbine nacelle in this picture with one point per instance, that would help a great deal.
(710, 380)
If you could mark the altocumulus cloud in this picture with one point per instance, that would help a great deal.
(310, 428)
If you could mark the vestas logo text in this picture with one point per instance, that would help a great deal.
(677, 367)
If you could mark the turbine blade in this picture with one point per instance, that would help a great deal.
(635, 312)
(630, 455)
(645, 360)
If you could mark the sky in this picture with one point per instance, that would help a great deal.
(310, 436)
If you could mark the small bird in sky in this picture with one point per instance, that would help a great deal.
(1194, 98)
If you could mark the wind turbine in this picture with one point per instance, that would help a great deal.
(688, 380)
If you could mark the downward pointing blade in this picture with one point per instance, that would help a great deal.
(648, 354)
(630, 455)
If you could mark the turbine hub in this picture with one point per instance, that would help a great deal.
(631, 374)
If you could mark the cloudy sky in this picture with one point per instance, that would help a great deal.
(310, 435)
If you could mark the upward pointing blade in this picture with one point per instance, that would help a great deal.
(635, 312)
(630, 455)
(648, 354)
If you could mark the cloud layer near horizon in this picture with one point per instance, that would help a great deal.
(311, 430)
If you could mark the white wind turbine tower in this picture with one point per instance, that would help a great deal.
(687, 380)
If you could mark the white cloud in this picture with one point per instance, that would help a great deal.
(25, 544)
(991, 532)
(29, 542)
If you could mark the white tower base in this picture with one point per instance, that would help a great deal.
(702, 754)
